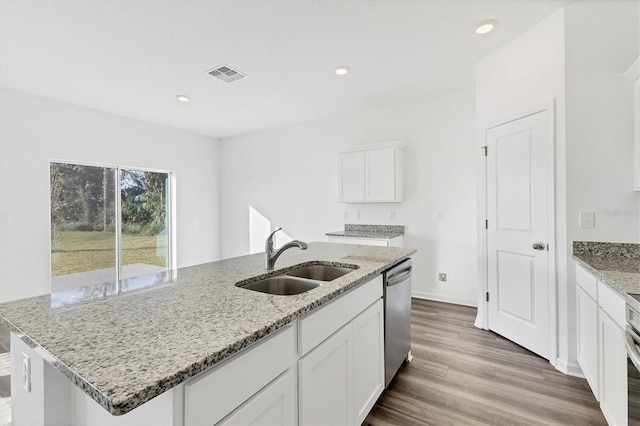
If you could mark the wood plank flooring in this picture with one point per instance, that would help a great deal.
(461, 375)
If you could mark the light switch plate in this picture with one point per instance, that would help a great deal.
(587, 219)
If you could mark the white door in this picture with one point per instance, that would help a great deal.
(517, 208)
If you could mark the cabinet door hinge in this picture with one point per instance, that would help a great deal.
(486, 224)
(487, 296)
(485, 150)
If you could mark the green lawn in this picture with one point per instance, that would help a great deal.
(78, 251)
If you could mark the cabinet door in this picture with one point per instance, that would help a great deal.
(613, 376)
(325, 391)
(368, 359)
(587, 317)
(274, 405)
(352, 177)
(380, 170)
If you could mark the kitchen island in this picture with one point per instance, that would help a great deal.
(123, 345)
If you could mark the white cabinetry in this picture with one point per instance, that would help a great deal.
(238, 379)
(341, 374)
(368, 360)
(326, 382)
(587, 327)
(372, 174)
(613, 356)
(273, 405)
(601, 348)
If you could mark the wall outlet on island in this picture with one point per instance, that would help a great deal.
(26, 372)
(442, 277)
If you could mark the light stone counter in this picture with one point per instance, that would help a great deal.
(615, 264)
(125, 343)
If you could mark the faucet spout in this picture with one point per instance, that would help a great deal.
(271, 256)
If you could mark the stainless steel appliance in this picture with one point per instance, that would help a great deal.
(632, 339)
(397, 318)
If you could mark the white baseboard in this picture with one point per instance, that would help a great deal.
(441, 298)
(569, 368)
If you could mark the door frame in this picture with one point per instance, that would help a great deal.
(482, 318)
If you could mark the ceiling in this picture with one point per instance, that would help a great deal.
(133, 57)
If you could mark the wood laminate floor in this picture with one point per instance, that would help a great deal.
(461, 375)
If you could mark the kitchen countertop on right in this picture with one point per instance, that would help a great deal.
(369, 231)
(615, 264)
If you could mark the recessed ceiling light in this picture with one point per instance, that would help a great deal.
(342, 70)
(183, 98)
(485, 26)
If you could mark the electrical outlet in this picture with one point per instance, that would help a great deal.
(392, 215)
(442, 277)
(26, 372)
(345, 214)
(440, 216)
(357, 214)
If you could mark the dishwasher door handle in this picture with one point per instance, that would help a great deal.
(397, 278)
(632, 340)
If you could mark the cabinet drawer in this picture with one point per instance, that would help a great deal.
(321, 324)
(212, 395)
(274, 405)
(588, 282)
(612, 303)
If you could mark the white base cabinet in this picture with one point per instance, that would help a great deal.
(587, 328)
(326, 382)
(341, 379)
(601, 348)
(613, 356)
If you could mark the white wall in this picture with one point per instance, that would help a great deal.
(34, 130)
(577, 57)
(290, 175)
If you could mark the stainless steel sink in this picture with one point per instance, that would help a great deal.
(320, 272)
(280, 285)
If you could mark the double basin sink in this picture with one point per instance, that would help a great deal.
(298, 280)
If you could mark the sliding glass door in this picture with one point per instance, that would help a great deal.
(107, 224)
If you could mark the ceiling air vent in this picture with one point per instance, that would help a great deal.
(226, 73)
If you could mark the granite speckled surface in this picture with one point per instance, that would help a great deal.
(125, 348)
(369, 231)
(615, 264)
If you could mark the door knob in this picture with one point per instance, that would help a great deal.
(538, 246)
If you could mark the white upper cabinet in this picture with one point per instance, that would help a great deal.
(372, 174)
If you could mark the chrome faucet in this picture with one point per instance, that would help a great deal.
(271, 256)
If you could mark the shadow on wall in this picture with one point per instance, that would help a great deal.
(259, 229)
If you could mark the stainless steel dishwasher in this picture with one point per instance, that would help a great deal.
(397, 318)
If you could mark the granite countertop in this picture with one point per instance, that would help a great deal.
(369, 231)
(157, 331)
(615, 264)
